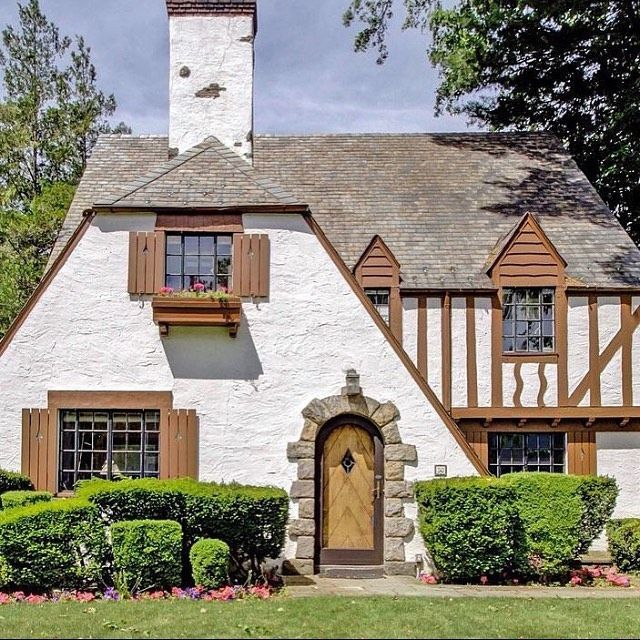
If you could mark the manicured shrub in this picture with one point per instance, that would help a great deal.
(49, 545)
(532, 525)
(251, 520)
(147, 553)
(624, 543)
(10, 481)
(210, 563)
(13, 499)
(469, 526)
(598, 495)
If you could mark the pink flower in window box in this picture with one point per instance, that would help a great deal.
(166, 291)
(223, 289)
(199, 287)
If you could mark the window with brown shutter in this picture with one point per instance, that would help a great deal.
(39, 448)
(146, 262)
(179, 444)
(251, 265)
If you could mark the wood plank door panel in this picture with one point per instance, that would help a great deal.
(351, 497)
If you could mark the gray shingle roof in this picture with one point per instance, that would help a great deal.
(441, 202)
(208, 175)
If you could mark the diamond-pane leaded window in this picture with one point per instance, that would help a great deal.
(108, 444)
(514, 452)
(198, 259)
(380, 299)
(528, 321)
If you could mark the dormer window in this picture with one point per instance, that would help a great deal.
(198, 259)
(380, 299)
(528, 320)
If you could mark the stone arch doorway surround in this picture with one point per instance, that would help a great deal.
(397, 455)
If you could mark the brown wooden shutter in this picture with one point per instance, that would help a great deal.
(251, 265)
(582, 453)
(146, 262)
(179, 444)
(40, 448)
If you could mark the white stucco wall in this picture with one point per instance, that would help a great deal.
(86, 333)
(434, 344)
(215, 50)
(577, 340)
(608, 325)
(619, 457)
(459, 352)
(483, 349)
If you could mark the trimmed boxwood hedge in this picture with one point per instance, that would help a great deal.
(529, 525)
(10, 481)
(52, 545)
(251, 520)
(13, 499)
(210, 563)
(624, 543)
(147, 553)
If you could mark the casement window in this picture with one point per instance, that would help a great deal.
(193, 259)
(108, 445)
(380, 299)
(514, 452)
(528, 320)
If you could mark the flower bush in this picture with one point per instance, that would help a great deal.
(599, 577)
(197, 291)
(226, 594)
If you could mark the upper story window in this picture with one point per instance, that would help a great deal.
(108, 445)
(380, 299)
(528, 321)
(199, 259)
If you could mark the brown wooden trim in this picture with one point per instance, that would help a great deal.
(517, 394)
(594, 353)
(133, 259)
(472, 360)
(626, 323)
(47, 279)
(160, 261)
(176, 311)
(397, 347)
(204, 222)
(422, 354)
(584, 413)
(39, 455)
(625, 334)
(546, 425)
(488, 292)
(496, 351)
(446, 352)
(189, 210)
(110, 399)
(395, 313)
(602, 291)
(539, 358)
(581, 453)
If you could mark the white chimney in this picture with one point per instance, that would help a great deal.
(212, 61)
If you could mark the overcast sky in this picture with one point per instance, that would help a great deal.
(308, 79)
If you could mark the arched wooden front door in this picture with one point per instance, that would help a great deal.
(351, 495)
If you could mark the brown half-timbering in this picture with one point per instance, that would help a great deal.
(178, 434)
(472, 364)
(203, 223)
(594, 352)
(496, 351)
(626, 323)
(422, 337)
(624, 336)
(378, 268)
(446, 351)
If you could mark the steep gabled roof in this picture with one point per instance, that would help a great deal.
(209, 175)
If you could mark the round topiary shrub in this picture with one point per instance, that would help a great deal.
(147, 553)
(210, 563)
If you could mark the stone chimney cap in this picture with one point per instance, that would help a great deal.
(211, 7)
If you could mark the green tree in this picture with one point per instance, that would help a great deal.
(571, 67)
(50, 119)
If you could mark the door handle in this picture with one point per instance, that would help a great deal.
(377, 490)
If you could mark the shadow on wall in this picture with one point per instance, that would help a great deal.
(202, 353)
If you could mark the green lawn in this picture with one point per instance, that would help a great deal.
(328, 617)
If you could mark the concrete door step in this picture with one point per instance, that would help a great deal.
(362, 572)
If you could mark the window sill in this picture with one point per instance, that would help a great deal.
(530, 357)
(175, 311)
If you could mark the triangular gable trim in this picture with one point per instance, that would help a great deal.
(377, 241)
(503, 247)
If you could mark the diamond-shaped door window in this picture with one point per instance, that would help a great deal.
(348, 461)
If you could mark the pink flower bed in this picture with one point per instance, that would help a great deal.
(261, 592)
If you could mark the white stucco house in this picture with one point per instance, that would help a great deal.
(400, 307)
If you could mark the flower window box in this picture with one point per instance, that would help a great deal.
(196, 310)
